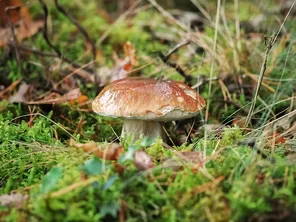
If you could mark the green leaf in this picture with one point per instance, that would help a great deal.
(147, 141)
(109, 208)
(94, 166)
(50, 179)
(129, 155)
(110, 182)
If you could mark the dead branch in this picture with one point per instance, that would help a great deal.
(35, 51)
(165, 59)
(79, 27)
(46, 38)
(203, 81)
(14, 39)
(175, 49)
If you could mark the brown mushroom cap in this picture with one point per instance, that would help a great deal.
(148, 99)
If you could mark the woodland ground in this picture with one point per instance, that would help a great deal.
(59, 161)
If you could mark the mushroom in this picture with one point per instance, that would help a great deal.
(145, 103)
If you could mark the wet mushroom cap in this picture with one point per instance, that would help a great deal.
(148, 99)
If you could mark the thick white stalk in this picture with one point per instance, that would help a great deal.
(138, 128)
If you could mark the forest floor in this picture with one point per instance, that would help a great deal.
(235, 161)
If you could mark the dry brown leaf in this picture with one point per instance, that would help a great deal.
(196, 159)
(25, 28)
(119, 168)
(193, 158)
(82, 99)
(142, 160)
(121, 70)
(19, 96)
(122, 66)
(109, 151)
(55, 98)
(14, 15)
(284, 127)
(13, 200)
(276, 137)
(130, 53)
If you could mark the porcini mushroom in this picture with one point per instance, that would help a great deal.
(144, 103)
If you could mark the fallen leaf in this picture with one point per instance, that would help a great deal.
(147, 141)
(79, 101)
(121, 70)
(276, 137)
(55, 98)
(284, 125)
(240, 122)
(128, 155)
(171, 163)
(109, 208)
(14, 15)
(119, 169)
(50, 180)
(109, 151)
(122, 65)
(192, 158)
(24, 26)
(130, 53)
(94, 166)
(110, 182)
(13, 200)
(19, 96)
(142, 161)
(103, 74)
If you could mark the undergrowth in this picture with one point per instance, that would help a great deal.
(247, 175)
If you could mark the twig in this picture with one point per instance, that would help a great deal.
(14, 39)
(202, 10)
(37, 52)
(165, 59)
(45, 36)
(269, 46)
(203, 81)
(80, 28)
(72, 73)
(175, 49)
(119, 19)
(167, 15)
(178, 69)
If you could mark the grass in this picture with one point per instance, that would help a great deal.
(248, 174)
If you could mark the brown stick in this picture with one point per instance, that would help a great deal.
(80, 28)
(14, 39)
(45, 36)
(165, 59)
(37, 52)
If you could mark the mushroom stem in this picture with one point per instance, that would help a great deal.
(138, 128)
